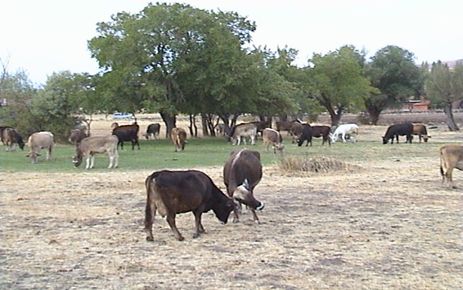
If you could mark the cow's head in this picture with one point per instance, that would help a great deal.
(77, 160)
(33, 156)
(244, 194)
(384, 140)
(21, 142)
(223, 210)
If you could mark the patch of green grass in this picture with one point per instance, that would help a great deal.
(159, 154)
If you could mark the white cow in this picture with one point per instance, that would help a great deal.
(343, 130)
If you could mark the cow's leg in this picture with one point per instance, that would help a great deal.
(254, 216)
(92, 160)
(236, 210)
(87, 162)
(171, 221)
(138, 144)
(253, 140)
(111, 160)
(198, 226)
(116, 159)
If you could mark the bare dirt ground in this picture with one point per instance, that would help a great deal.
(390, 225)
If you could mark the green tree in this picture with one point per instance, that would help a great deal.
(393, 72)
(150, 59)
(443, 87)
(337, 82)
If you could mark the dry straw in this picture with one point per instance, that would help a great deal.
(316, 164)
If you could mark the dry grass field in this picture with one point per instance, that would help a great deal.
(388, 224)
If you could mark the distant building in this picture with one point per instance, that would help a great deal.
(421, 105)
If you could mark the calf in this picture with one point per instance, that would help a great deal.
(345, 130)
(90, 146)
(153, 130)
(11, 138)
(396, 130)
(126, 133)
(241, 173)
(273, 137)
(173, 192)
(39, 141)
(420, 130)
(451, 156)
(243, 130)
(76, 136)
(306, 135)
(178, 137)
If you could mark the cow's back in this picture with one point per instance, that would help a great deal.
(42, 139)
(242, 164)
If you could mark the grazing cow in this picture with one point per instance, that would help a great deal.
(178, 137)
(323, 132)
(420, 130)
(305, 136)
(273, 137)
(241, 173)
(38, 141)
(127, 133)
(345, 130)
(2, 128)
(89, 146)
(243, 130)
(451, 156)
(77, 135)
(11, 138)
(153, 130)
(396, 130)
(173, 192)
(295, 131)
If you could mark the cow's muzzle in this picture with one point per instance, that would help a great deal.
(261, 206)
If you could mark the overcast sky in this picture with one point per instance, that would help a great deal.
(46, 36)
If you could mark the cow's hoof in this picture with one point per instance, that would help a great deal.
(180, 238)
(195, 235)
(149, 239)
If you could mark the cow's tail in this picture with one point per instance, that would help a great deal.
(443, 166)
(148, 210)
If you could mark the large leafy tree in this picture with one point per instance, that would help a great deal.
(156, 59)
(443, 87)
(393, 72)
(337, 81)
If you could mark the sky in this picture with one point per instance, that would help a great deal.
(41, 37)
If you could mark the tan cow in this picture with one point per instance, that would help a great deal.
(243, 130)
(178, 137)
(39, 141)
(88, 147)
(273, 137)
(451, 156)
(420, 130)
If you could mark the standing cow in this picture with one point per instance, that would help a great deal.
(126, 133)
(451, 157)
(273, 137)
(306, 135)
(178, 137)
(323, 132)
(173, 192)
(243, 130)
(153, 130)
(345, 130)
(241, 173)
(394, 131)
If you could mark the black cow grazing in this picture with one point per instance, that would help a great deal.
(305, 136)
(127, 133)
(322, 131)
(153, 130)
(399, 129)
(173, 192)
(11, 138)
(241, 173)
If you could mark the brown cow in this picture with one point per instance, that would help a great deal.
(273, 137)
(39, 141)
(241, 173)
(322, 131)
(11, 138)
(173, 192)
(153, 130)
(178, 137)
(420, 130)
(89, 146)
(126, 133)
(451, 156)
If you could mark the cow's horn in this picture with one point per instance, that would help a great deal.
(246, 183)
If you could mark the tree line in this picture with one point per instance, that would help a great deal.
(176, 59)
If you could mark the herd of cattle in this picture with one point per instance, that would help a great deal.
(173, 192)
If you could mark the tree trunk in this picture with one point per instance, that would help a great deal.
(373, 114)
(450, 120)
(193, 128)
(335, 116)
(205, 125)
(170, 121)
